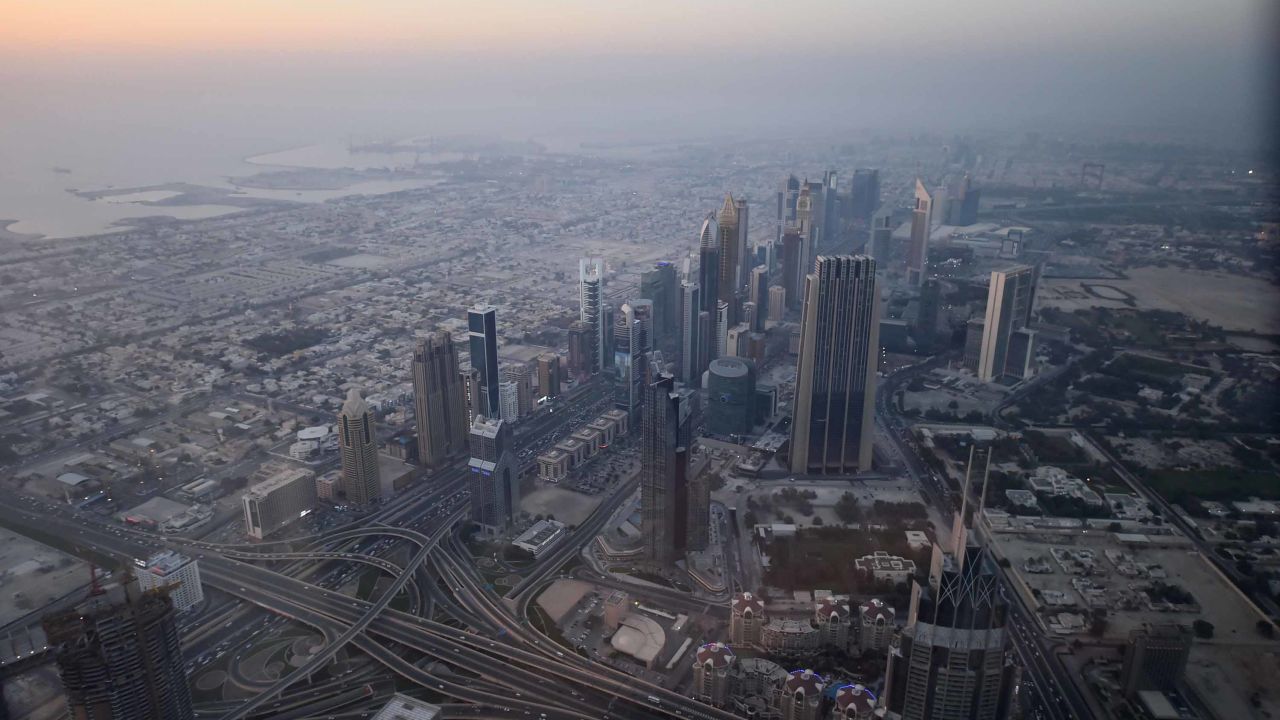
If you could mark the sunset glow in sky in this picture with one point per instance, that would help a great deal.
(309, 68)
(124, 26)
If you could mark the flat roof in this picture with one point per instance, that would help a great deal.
(403, 707)
(277, 481)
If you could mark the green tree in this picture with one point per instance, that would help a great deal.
(847, 508)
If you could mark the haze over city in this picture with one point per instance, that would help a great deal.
(563, 359)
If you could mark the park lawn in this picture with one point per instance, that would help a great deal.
(1222, 484)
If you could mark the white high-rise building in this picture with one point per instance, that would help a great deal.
(177, 572)
(1008, 346)
(509, 396)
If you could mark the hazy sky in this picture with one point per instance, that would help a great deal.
(522, 67)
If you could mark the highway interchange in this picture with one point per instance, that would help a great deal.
(466, 642)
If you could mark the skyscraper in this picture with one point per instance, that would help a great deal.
(787, 195)
(660, 286)
(963, 208)
(438, 400)
(722, 329)
(689, 364)
(482, 332)
(949, 660)
(591, 305)
(808, 234)
(746, 257)
(494, 483)
(1155, 659)
(662, 467)
(472, 395)
(777, 303)
(921, 226)
(119, 656)
(581, 342)
(630, 344)
(709, 263)
(882, 236)
(926, 326)
(759, 294)
(835, 376)
(1007, 344)
(793, 267)
(358, 443)
(831, 234)
(548, 375)
(731, 249)
(518, 373)
(864, 195)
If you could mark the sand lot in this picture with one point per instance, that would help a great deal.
(569, 507)
(33, 574)
(1233, 303)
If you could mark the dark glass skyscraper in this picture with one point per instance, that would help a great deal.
(950, 660)
(119, 656)
(482, 333)
(494, 481)
(664, 465)
(793, 272)
(835, 376)
(709, 263)
(660, 286)
(591, 312)
(864, 194)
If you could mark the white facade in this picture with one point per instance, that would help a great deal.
(509, 401)
(278, 501)
(177, 572)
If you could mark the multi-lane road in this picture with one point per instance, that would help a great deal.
(1058, 697)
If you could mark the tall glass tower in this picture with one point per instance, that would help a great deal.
(482, 331)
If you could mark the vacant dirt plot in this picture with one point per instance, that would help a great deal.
(568, 506)
(1234, 303)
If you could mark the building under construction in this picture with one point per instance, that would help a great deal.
(119, 656)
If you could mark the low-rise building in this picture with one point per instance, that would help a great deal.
(403, 707)
(553, 465)
(541, 537)
(883, 566)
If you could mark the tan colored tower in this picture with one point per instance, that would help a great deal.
(438, 401)
(359, 445)
(836, 374)
(921, 227)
